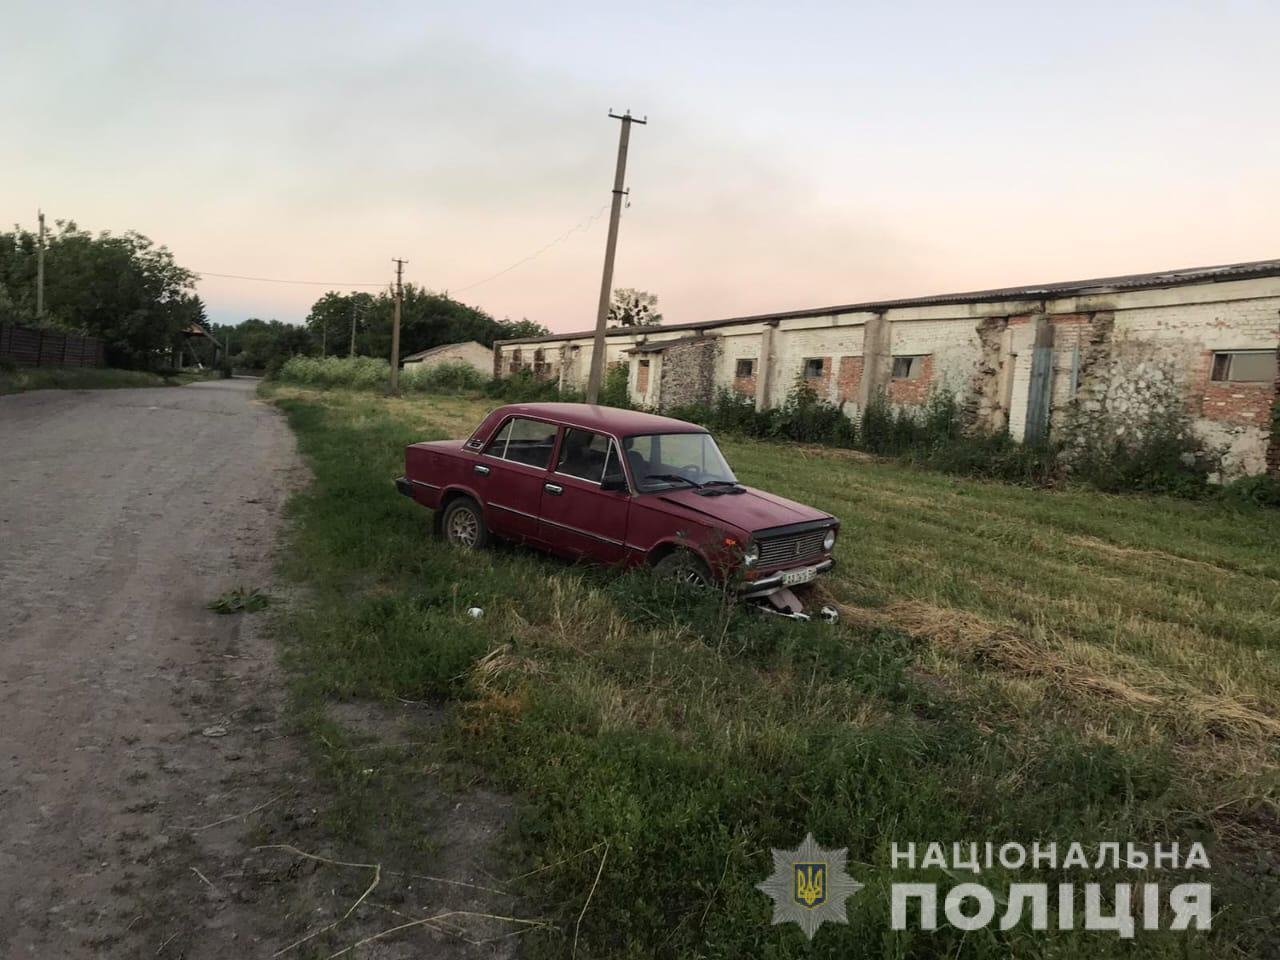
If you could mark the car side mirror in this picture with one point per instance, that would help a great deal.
(613, 483)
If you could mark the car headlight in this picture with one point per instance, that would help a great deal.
(829, 540)
(751, 553)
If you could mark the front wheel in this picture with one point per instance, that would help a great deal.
(463, 524)
(683, 567)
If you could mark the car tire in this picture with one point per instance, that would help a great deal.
(463, 524)
(683, 567)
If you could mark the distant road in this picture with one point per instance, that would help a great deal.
(122, 514)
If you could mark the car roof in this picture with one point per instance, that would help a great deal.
(605, 419)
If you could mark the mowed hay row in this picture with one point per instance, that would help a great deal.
(1148, 557)
(972, 636)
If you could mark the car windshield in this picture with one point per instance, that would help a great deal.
(660, 461)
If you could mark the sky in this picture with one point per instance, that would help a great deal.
(797, 154)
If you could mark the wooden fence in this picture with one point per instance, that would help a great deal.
(49, 348)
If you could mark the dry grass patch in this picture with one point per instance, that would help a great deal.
(1082, 668)
(1152, 556)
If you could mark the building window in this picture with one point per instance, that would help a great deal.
(1244, 366)
(907, 368)
(745, 368)
(813, 367)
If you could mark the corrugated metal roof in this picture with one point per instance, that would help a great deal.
(659, 345)
(432, 351)
(1134, 281)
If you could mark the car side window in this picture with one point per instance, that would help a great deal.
(640, 454)
(524, 441)
(590, 456)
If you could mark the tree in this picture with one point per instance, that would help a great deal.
(427, 320)
(633, 308)
(264, 344)
(516, 329)
(124, 289)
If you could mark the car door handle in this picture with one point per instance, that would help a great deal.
(482, 470)
(553, 488)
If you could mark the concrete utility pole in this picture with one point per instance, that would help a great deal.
(395, 328)
(40, 268)
(606, 283)
(353, 328)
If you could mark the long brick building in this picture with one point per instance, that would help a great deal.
(1020, 357)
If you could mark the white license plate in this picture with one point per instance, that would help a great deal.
(792, 577)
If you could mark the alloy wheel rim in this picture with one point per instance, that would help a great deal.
(464, 528)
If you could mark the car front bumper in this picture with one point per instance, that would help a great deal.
(767, 584)
(404, 485)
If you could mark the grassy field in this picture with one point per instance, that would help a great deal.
(19, 379)
(1012, 665)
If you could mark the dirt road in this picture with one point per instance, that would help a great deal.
(131, 717)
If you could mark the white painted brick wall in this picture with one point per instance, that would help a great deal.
(793, 347)
(1021, 344)
(735, 347)
(1242, 325)
(1174, 326)
(954, 345)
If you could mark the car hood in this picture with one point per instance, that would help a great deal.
(749, 511)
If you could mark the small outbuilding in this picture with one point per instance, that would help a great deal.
(470, 352)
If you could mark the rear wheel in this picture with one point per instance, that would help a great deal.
(463, 524)
(683, 567)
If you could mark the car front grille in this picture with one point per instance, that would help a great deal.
(791, 547)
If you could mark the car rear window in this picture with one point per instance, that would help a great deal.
(524, 441)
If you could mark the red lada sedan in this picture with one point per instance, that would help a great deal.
(617, 486)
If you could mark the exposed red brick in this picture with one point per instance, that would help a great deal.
(913, 391)
(821, 385)
(1273, 448)
(1242, 404)
(642, 377)
(848, 379)
(745, 386)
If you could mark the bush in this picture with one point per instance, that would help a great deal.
(727, 413)
(361, 373)
(992, 456)
(1153, 449)
(370, 373)
(523, 387)
(806, 418)
(453, 376)
(614, 392)
(1258, 490)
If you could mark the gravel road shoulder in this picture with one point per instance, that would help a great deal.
(133, 719)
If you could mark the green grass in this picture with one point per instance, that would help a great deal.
(240, 600)
(20, 379)
(1013, 665)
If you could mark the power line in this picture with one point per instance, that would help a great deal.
(540, 251)
(584, 224)
(314, 283)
